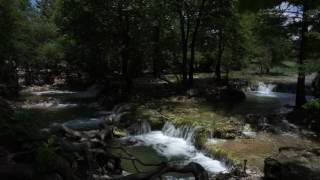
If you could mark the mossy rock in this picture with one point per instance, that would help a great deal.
(119, 132)
(227, 130)
(223, 155)
(201, 138)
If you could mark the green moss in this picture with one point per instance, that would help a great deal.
(223, 155)
(201, 138)
(119, 132)
(313, 105)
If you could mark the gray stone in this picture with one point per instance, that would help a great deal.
(293, 164)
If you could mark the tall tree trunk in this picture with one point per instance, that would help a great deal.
(193, 44)
(301, 92)
(156, 52)
(219, 57)
(192, 54)
(184, 42)
(227, 74)
(125, 55)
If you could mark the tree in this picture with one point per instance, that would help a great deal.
(302, 19)
(8, 24)
(273, 39)
(225, 23)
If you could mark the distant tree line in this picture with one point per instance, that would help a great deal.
(132, 38)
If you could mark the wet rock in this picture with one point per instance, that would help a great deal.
(229, 129)
(293, 164)
(226, 133)
(238, 173)
(274, 123)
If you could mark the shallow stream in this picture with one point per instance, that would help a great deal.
(176, 144)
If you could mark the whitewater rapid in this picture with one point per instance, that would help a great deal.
(177, 144)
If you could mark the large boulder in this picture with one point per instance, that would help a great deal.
(293, 164)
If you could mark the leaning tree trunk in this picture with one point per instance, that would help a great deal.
(301, 92)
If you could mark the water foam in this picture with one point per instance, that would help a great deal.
(44, 105)
(176, 143)
(52, 92)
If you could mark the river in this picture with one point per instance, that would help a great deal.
(170, 143)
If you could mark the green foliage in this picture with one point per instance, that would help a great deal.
(20, 127)
(7, 28)
(201, 137)
(312, 105)
(134, 37)
(47, 156)
(222, 155)
(256, 5)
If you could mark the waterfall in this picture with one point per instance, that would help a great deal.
(185, 132)
(143, 128)
(265, 88)
(177, 144)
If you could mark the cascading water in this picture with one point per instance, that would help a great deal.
(143, 128)
(185, 132)
(177, 144)
(266, 89)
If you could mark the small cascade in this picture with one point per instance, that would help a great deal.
(143, 128)
(185, 132)
(177, 144)
(266, 89)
